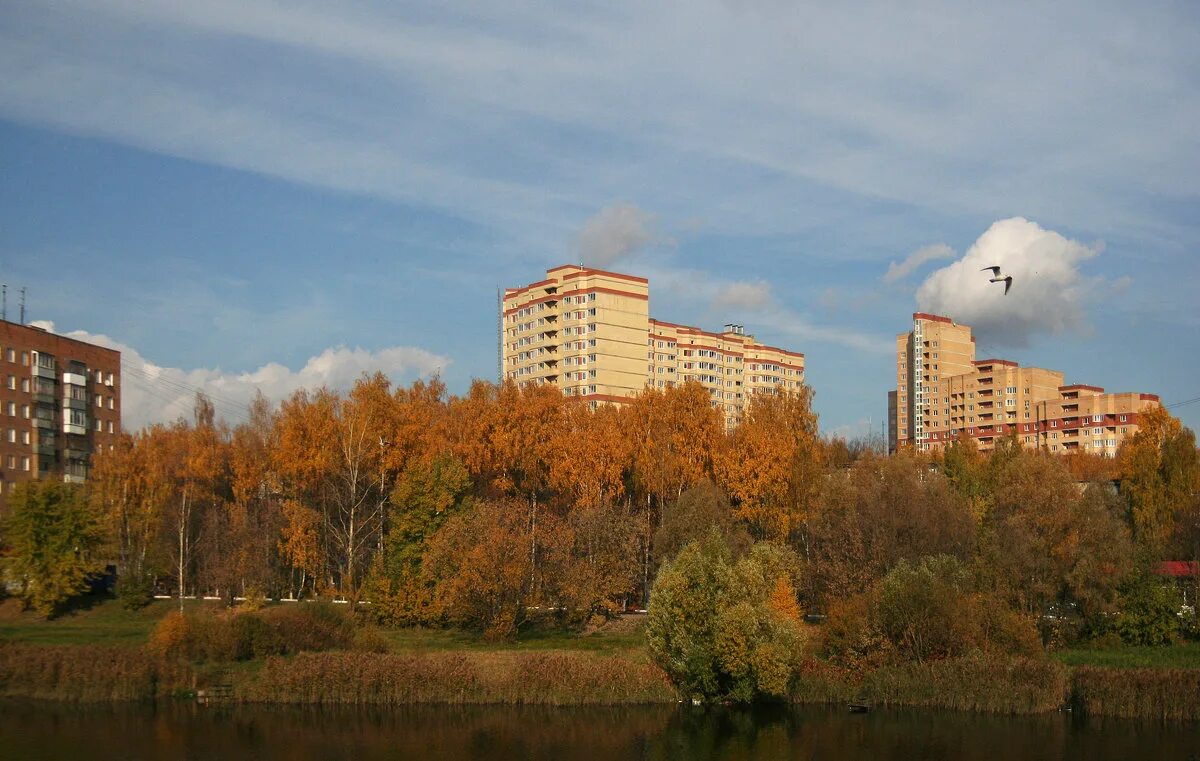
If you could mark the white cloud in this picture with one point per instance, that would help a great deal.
(615, 232)
(152, 393)
(743, 295)
(900, 270)
(1048, 290)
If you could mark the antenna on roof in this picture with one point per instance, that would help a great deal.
(22, 305)
(3, 301)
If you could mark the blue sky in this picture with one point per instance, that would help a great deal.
(264, 194)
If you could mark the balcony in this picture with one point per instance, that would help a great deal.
(43, 423)
(74, 379)
(44, 372)
(75, 404)
(44, 448)
(40, 397)
(72, 428)
(73, 478)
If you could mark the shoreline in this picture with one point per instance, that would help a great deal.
(100, 674)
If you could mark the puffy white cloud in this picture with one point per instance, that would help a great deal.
(615, 232)
(152, 393)
(900, 270)
(1048, 290)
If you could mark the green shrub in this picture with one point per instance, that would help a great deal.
(726, 631)
(1149, 612)
(134, 592)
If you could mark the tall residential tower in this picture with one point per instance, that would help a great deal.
(943, 391)
(60, 401)
(589, 333)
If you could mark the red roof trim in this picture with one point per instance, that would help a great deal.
(932, 317)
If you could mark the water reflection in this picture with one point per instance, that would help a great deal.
(656, 733)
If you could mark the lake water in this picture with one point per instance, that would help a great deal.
(181, 731)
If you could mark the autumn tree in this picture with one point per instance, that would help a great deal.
(129, 490)
(480, 564)
(198, 469)
(1160, 474)
(876, 513)
(696, 512)
(333, 457)
(773, 464)
(1044, 542)
(52, 534)
(674, 435)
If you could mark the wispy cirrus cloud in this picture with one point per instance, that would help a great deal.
(911, 263)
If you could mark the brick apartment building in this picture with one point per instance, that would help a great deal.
(60, 401)
(589, 333)
(942, 390)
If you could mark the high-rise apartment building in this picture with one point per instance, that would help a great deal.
(589, 333)
(943, 391)
(60, 401)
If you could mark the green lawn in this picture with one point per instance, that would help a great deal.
(1182, 656)
(104, 623)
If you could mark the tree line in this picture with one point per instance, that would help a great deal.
(487, 509)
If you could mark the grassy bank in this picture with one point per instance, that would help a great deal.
(95, 653)
(93, 621)
(1181, 656)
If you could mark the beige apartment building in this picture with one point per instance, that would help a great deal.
(589, 333)
(942, 390)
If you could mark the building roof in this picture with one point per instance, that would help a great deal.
(1178, 569)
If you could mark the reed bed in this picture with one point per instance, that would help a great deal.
(544, 678)
(1005, 685)
(84, 673)
(1164, 694)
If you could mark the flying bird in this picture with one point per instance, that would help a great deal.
(1007, 279)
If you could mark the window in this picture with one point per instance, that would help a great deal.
(11, 355)
(12, 435)
(25, 411)
(100, 401)
(25, 385)
(12, 462)
(110, 426)
(12, 382)
(25, 359)
(1097, 418)
(99, 425)
(12, 409)
(1124, 418)
(25, 463)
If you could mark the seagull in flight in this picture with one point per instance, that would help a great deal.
(1007, 279)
